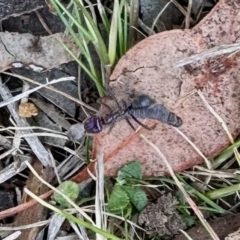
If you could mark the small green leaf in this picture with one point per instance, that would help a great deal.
(137, 196)
(118, 200)
(189, 220)
(131, 170)
(69, 188)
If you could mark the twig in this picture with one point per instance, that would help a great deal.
(23, 206)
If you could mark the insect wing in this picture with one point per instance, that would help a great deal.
(161, 113)
(142, 101)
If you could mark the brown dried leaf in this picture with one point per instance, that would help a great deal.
(150, 68)
(27, 110)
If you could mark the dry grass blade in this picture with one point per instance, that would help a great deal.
(53, 89)
(33, 225)
(134, 16)
(80, 231)
(188, 16)
(181, 9)
(30, 128)
(43, 135)
(26, 93)
(11, 171)
(63, 195)
(54, 113)
(13, 236)
(8, 152)
(179, 184)
(195, 148)
(23, 206)
(55, 225)
(101, 220)
(35, 144)
(43, 22)
(213, 173)
(224, 125)
(210, 53)
(159, 14)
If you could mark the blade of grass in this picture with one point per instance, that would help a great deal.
(120, 31)
(223, 192)
(57, 6)
(224, 125)
(71, 217)
(81, 43)
(103, 15)
(201, 196)
(225, 154)
(127, 28)
(53, 89)
(88, 56)
(179, 184)
(113, 33)
(98, 40)
(96, 80)
(133, 21)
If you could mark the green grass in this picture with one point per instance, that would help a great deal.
(81, 24)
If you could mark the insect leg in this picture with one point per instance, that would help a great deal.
(143, 125)
(110, 127)
(129, 123)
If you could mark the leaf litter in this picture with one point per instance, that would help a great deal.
(41, 56)
(132, 70)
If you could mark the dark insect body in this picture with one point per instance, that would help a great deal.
(141, 107)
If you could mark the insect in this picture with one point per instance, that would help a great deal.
(141, 106)
(35, 45)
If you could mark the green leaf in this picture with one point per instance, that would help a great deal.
(93, 29)
(189, 220)
(137, 197)
(113, 34)
(69, 188)
(84, 36)
(131, 170)
(103, 15)
(118, 200)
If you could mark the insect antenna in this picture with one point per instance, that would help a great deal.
(104, 104)
(111, 94)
